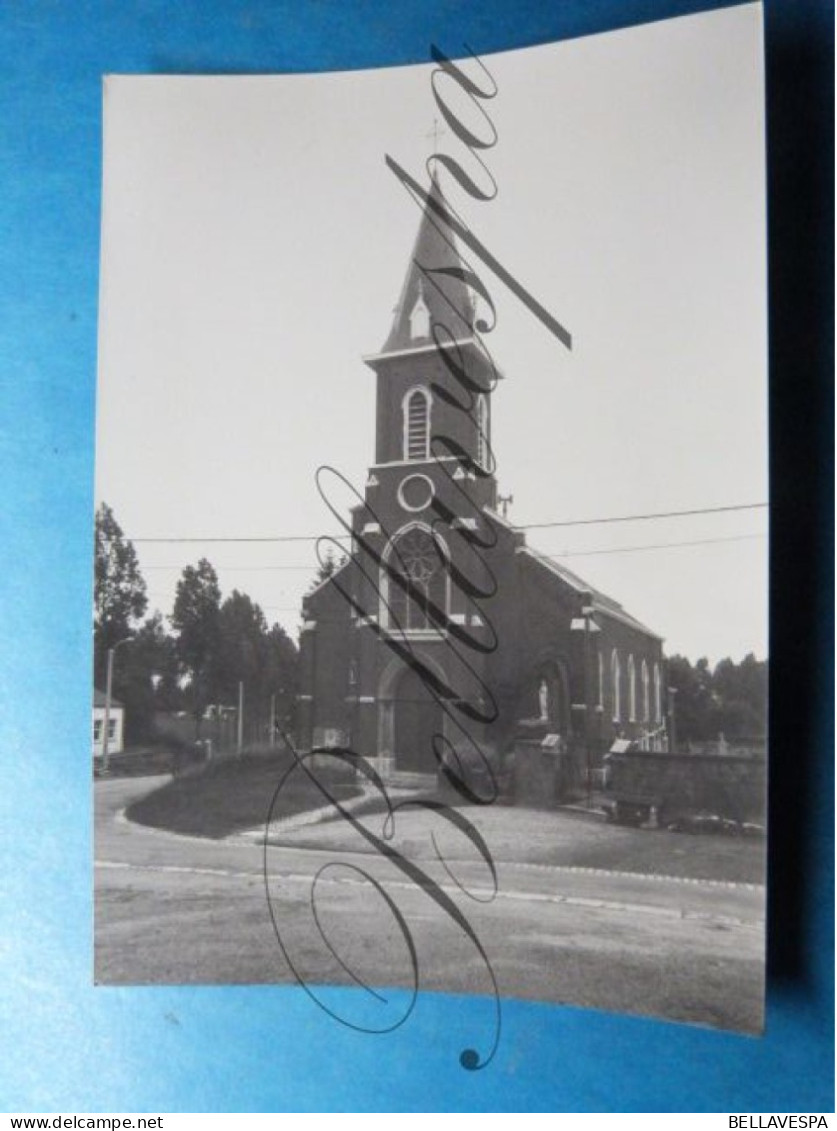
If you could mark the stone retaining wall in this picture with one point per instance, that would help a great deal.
(730, 786)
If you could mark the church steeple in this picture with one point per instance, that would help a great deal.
(433, 394)
(433, 289)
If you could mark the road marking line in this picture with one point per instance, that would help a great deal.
(660, 877)
(570, 869)
(479, 895)
(251, 838)
(189, 869)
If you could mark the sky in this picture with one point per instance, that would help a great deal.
(254, 243)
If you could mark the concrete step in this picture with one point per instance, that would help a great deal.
(402, 779)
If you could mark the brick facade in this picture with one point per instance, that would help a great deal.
(481, 632)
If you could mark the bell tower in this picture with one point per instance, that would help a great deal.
(434, 384)
(413, 568)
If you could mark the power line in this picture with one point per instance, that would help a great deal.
(527, 526)
(157, 595)
(555, 553)
(643, 517)
(656, 546)
(550, 553)
(224, 538)
(240, 568)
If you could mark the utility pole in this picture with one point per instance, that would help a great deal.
(240, 737)
(273, 719)
(586, 623)
(587, 612)
(108, 697)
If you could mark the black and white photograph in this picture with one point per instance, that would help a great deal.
(430, 579)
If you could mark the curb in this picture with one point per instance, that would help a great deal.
(582, 811)
(251, 837)
(312, 816)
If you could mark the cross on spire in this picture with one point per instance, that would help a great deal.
(435, 274)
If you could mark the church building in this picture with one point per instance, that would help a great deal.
(444, 636)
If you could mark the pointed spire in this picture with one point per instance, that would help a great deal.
(447, 300)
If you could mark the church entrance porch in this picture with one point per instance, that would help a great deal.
(409, 717)
(417, 718)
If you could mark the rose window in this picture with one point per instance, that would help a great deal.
(416, 557)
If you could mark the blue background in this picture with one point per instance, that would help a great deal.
(70, 1047)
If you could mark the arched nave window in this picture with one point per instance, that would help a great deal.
(616, 681)
(646, 704)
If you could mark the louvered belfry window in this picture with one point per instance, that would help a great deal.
(417, 425)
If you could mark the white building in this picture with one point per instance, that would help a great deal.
(116, 725)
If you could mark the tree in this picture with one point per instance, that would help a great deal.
(729, 700)
(693, 704)
(145, 679)
(196, 619)
(119, 596)
(263, 660)
(328, 566)
(741, 697)
(282, 672)
(242, 637)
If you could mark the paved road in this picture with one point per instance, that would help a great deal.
(172, 909)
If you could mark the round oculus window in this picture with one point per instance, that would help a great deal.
(415, 493)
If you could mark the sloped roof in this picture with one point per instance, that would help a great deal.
(600, 601)
(99, 699)
(436, 251)
(321, 586)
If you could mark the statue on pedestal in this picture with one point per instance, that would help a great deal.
(543, 700)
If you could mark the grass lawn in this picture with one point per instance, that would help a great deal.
(231, 794)
(557, 838)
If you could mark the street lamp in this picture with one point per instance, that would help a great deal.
(108, 695)
(587, 624)
(587, 612)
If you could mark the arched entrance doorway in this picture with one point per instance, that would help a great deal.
(417, 717)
